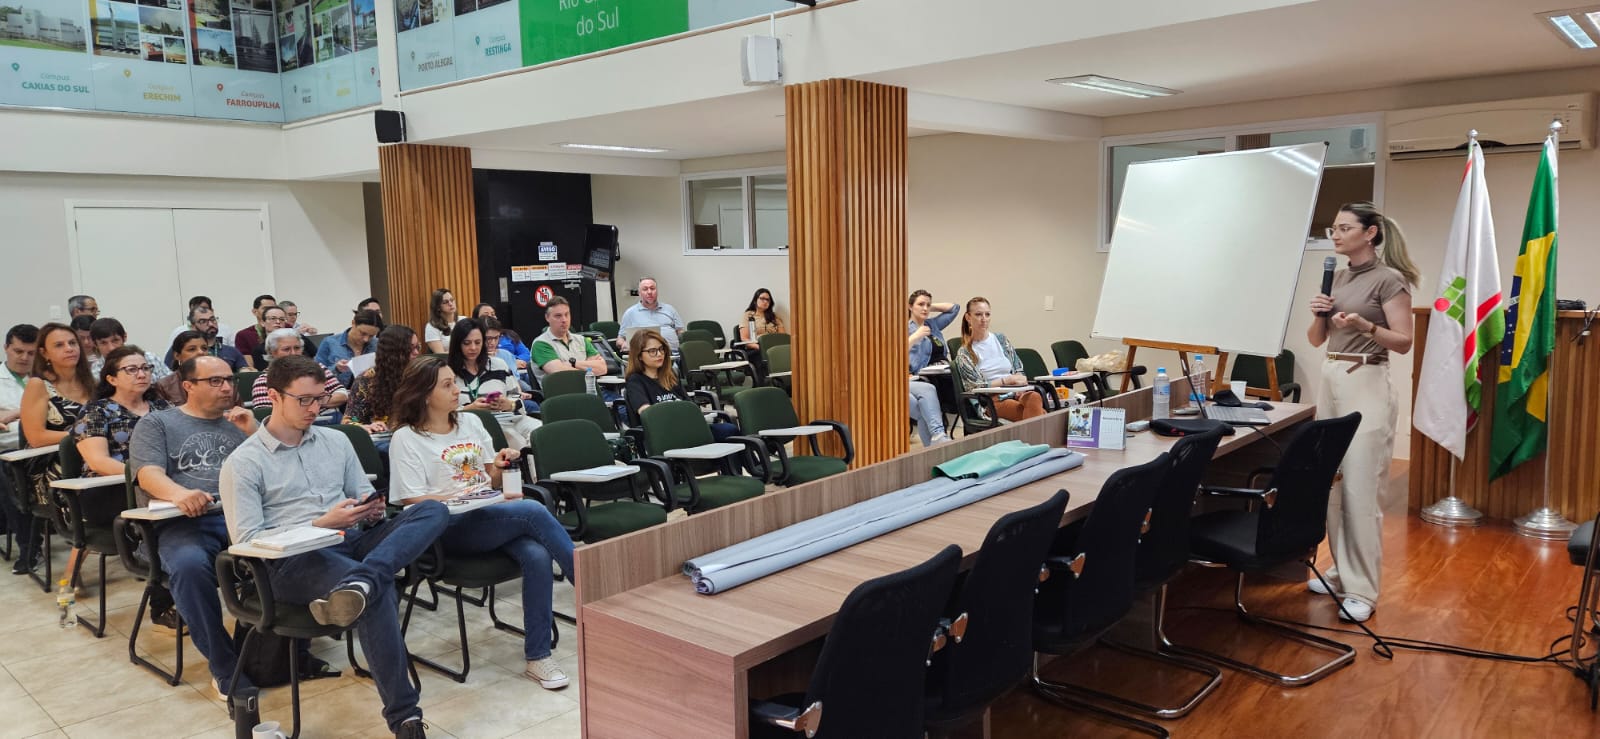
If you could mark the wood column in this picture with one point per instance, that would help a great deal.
(1574, 406)
(847, 260)
(430, 228)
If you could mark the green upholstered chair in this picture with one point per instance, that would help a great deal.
(492, 425)
(561, 383)
(767, 341)
(779, 361)
(767, 408)
(711, 327)
(244, 383)
(698, 354)
(625, 445)
(596, 511)
(1253, 370)
(608, 328)
(679, 424)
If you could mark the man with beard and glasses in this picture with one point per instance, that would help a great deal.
(205, 321)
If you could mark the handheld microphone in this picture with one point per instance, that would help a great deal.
(1327, 282)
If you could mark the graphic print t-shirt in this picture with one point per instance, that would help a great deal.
(440, 464)
(190, 450)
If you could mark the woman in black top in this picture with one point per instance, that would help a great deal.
(651, 379)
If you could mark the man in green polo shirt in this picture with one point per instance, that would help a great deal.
(560, 350)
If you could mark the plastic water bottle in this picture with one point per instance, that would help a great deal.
(1161, 395)
(588, 381)
(67, 601)
(1197, 382)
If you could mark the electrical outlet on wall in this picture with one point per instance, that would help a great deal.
(1049, 302)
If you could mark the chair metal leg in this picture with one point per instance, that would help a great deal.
(99, 628)
(294, 687)
(1056, 694)
(46, 582)
(350, 653)
(1345, 653)
(172, 678)
(466, 654)
(1159, 638)
(1588, 672)
(432, 604)
(495, 618)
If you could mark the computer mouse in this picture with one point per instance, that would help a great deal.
(1263, 405)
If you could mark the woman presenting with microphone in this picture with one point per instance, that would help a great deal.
(1364, 319)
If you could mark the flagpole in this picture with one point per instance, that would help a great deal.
(1546, 522)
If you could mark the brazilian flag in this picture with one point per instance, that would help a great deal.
(1522, 392)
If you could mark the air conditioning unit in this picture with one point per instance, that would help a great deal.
(1504, 126)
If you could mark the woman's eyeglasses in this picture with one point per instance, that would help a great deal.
(138, 369)
(654, 351)
(1340, 229)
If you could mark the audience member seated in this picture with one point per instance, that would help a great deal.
(442, 318)
(291, 317)
(272, 317)
(248, 340)
(205, 322)
(925, 345)
(185, 346)
(108, 334)
(987, 359)
(81, 326)
(651, 379)
(22, 341)
(650, 312)
(83, 305)
(124, 395)
(558, 349)
(760, 319)
(337, 350)
(223, 330)
(486, 383)
(285, 342)
(372, 400)
(373, 305)
(290, 474)
(437, 454)
(509, 341)
(177, 457)
(493, 334)
(61, 386)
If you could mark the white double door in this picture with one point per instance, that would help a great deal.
(142, 264)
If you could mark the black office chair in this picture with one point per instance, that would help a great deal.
(1253, 370)
(1091, 585)
(1288, 521)
(1163, 553)
(996, 596)
(29, 487)
(1582, 548)
(462, 572)
(132, 535)
(873, 667)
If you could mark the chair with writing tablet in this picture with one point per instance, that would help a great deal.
(780, 369)
(766, 412)
(85, 509)
(625, 445)
(29, 467)
(608, 329)
(139, 548)
(596, 507)
(676, 434)
(244, 383)
(566, 382)
(1034, 367)
(706, 370)
(712, 328)
(1253, 370)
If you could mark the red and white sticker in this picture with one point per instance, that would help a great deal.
(543, 295)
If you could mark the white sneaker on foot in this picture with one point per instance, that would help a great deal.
(547, 673)
(1314, 585)
(1354, 610)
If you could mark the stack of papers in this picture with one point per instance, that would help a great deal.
(605, 470)
(303, 539)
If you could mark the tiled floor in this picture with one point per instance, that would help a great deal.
(58, 682)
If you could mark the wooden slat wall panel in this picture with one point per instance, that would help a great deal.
(1575, 468)
(429, 226)
(847, 258)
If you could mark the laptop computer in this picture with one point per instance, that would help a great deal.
(1237, 416)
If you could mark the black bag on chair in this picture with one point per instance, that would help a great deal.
(267, 664)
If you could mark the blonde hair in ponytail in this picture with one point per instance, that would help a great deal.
(1389, 237)
(966, 329)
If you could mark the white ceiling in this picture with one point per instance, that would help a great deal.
(1317, 47)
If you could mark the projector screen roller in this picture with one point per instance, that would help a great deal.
(1207, 249)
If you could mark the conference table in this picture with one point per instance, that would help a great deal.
(658, 659)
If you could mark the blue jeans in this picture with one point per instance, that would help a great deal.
(189, 548)
(925, 411)
(526, 532)
(371, 557)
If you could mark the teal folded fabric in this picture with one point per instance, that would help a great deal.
(991, 460)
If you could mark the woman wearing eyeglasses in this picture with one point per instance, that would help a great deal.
(1368, 317)
(651, 379)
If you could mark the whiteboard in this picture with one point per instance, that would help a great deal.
(1207, 249)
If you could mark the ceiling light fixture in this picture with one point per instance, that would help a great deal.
(1578, 27)
(1115, 86)
(613, 147)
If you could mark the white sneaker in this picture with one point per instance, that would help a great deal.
(1314, 585)
(547, 673)
(1354, 610)
(939, 438)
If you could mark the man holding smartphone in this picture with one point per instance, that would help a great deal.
(291, 474)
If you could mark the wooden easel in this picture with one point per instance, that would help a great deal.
(1219, 376)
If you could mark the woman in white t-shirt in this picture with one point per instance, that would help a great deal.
(442, 317)
(986, 359)
(437, 453)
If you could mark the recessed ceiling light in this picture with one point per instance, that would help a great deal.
(612, 147)
(1115, 86)
(1570, 26)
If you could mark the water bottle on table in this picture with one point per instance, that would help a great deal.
(588, 381)
(1161, 395)
(1197, 382)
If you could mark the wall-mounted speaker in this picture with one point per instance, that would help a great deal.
(390, 125)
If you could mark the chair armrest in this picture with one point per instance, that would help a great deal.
(553, 494)
(756, 448)
(674, 466)
(234, 573)
(129, 534)
(713, 399)
(1062, 563)
(788, 717)
(844, 438)
(947, 632)
(1268, 496)
(1290, 390)
(660, 477)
